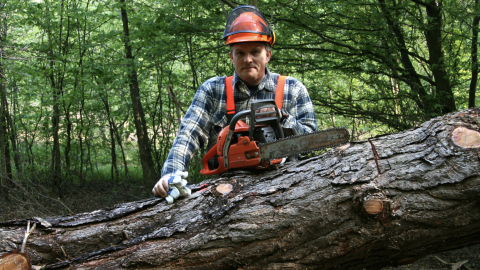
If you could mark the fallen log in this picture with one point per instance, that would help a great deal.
(387, 201)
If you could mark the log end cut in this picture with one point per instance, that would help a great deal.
(466, 138)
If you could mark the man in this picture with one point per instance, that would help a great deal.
(250, 39)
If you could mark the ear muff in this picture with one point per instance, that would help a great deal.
(274, 38)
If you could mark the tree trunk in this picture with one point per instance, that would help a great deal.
(111, 128)
(6, 178)
(13, 132)
(433, 34)
(474, 55)
(144, 147)
(68, 144)
(56, 156)
(5, 162)
(80, 139)
(386, 201)
(56, 85)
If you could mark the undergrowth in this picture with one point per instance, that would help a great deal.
(35, 197)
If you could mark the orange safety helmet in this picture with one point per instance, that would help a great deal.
(246, 24)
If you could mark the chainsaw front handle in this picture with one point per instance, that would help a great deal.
(237, 117)
(273, 121)
(210, 154)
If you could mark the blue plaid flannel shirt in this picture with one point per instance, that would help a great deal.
(206, 116)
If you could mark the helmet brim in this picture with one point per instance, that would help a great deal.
(248, 37)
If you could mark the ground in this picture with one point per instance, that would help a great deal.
(446, 260)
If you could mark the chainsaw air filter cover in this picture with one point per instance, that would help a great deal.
(265, 135)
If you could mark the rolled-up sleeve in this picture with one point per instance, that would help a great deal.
(194, 129)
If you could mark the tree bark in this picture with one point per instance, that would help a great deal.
(389, 200)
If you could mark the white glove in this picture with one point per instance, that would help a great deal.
(172, 186)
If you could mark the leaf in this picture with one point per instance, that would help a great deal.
(458, 265)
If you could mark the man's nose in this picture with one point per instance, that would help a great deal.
(248, 58)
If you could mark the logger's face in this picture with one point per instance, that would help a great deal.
(250, 60)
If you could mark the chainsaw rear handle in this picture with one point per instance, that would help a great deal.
(210, 154)
(231, 131)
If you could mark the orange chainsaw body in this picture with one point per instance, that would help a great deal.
(243, 154)
(242, 148)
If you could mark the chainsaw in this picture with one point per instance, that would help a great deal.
(263, 143)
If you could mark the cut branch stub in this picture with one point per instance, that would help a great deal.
(224, 189)
(466, 138)
(14, 261)
(373, 206)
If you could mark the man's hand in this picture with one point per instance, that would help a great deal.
(161, 187)
(268, 109)
(172, 186)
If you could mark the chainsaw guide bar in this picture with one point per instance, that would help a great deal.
(303, 144)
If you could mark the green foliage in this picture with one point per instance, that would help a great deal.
(368, 65)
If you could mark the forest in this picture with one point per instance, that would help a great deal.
(92, 92)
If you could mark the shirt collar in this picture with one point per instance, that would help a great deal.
(267, 82)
